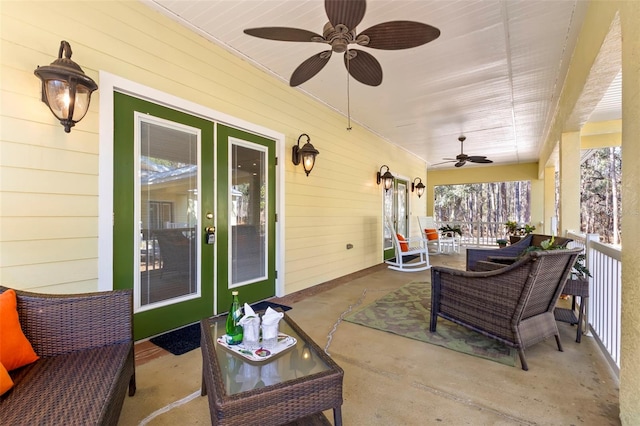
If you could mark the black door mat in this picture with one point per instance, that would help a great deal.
(187, 338)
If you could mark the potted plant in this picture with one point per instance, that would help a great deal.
(579, 272)
(450, 230)
(511, 226)
(516, 232)
(501, 242)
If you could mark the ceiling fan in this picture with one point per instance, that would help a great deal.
(462, 158)
(340, 32)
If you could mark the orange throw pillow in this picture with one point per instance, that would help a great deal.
(5, 380)
(404, 246)
(15, 350)
(432, 234)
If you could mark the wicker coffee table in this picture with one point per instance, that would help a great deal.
(293, 385)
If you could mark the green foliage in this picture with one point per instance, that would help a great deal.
(448, 228)
(513, 228)
(578, 271)
(501, 242)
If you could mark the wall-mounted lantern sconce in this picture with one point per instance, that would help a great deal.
(419, 187)
(387, 177)
(307, 154)
(65, 88)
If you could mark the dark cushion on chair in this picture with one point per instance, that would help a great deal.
(77, 384)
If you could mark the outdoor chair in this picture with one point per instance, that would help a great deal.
(443, 243)
(513, 305)
(509, 254)
(406, 251)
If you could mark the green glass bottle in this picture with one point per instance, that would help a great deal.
(233, 328)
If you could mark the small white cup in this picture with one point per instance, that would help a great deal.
(251, 333)
(269, 335)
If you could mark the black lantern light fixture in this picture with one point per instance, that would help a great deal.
(387, 177)
(307, 154)
(65, 88)
(418, 187)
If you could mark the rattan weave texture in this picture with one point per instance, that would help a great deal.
(273, 405)
(85, 342)
(513, 304)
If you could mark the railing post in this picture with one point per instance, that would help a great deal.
(589, 239)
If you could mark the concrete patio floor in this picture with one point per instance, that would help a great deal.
(392, 380)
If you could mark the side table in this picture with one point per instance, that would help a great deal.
(293, 385)
(574, 288)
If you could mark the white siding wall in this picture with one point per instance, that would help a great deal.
(49, 179)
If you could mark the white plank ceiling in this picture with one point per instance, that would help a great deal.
(494, 74)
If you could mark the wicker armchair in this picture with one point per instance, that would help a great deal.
(509, 254)
(513, 304)
(86, 365)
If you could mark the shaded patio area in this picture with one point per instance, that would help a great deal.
(392, 380)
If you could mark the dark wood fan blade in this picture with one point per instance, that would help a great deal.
(345, 12)
(477, 159)
(364, 67)
(460, 163)
(444, 162)
(395, 35)
(309, 68)
(282, 33)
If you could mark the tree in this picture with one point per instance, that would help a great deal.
(600, 203)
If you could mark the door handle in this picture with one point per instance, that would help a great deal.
(210, 234)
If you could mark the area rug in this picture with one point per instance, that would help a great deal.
(187, 338)
(407, 311)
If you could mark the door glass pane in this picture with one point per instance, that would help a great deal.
(402, 208)
(248, 212)
(168, 211)
(388, 217)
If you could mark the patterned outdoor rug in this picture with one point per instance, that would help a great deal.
(407, 312)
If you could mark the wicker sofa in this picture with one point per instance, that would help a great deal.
(86, 365)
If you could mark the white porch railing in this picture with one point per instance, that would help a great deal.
(603, 313)
(478, 233)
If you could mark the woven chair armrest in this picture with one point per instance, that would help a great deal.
(504, 260)
(484, 265)
(58, 324)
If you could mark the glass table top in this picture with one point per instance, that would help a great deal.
(240, 374)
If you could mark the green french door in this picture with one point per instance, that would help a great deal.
(191, 221)
(246, 219)
(163, 193)
(395, 209)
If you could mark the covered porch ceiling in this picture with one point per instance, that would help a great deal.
(494, 75)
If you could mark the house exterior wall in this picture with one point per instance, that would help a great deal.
(50, 179)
